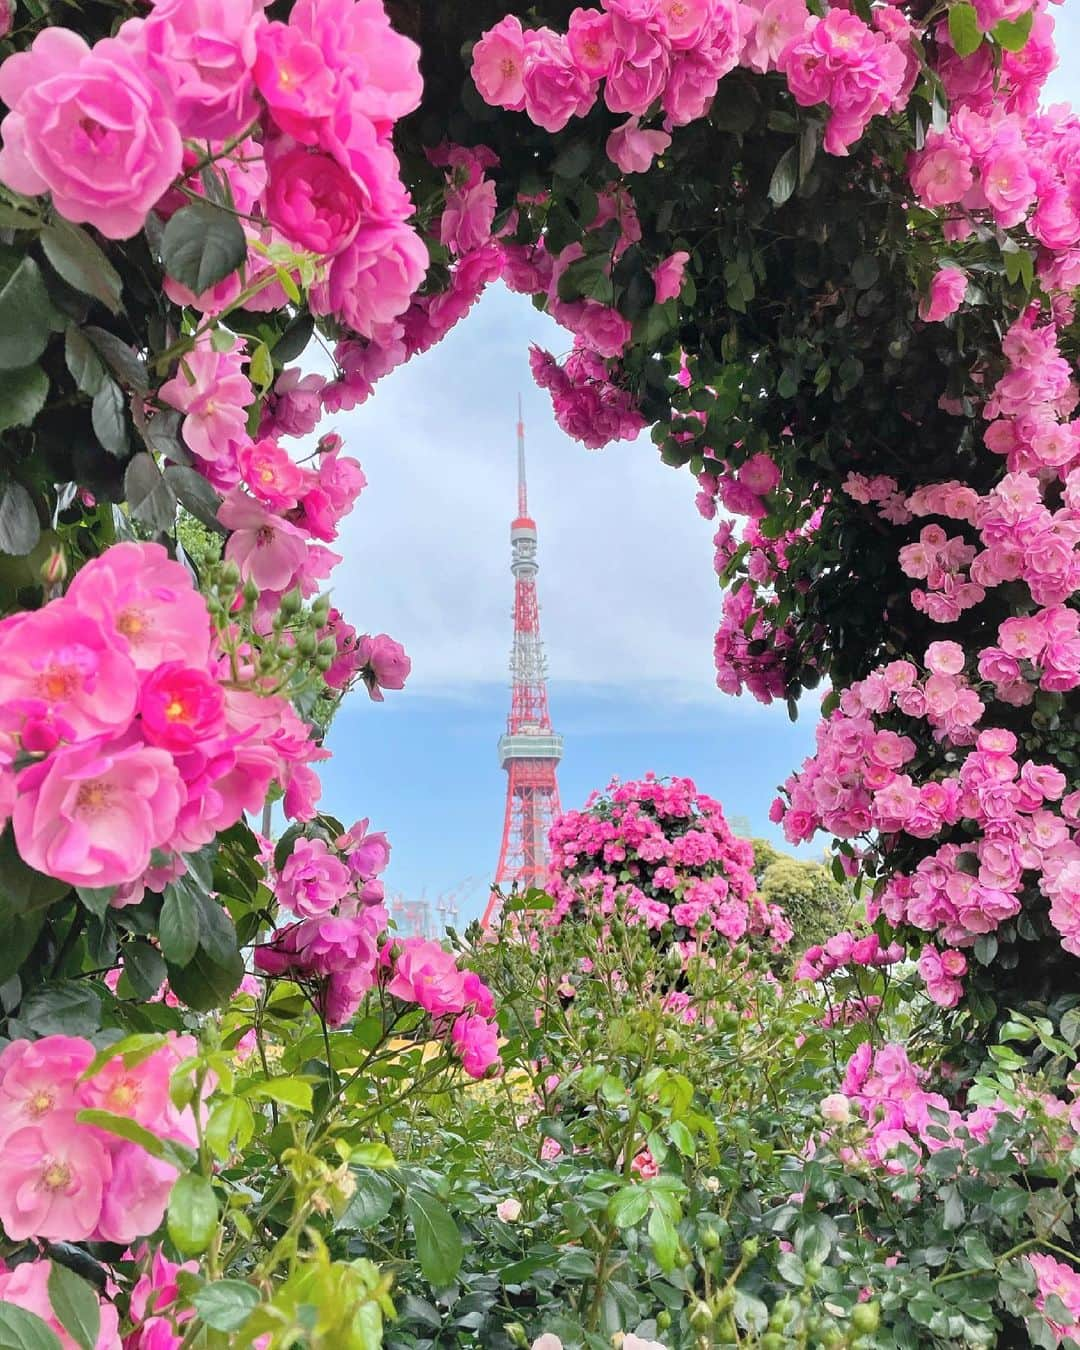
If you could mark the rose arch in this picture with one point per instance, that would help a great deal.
(827, 254)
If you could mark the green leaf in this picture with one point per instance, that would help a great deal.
(152, 500)
(20, 528)
(438, 1242)
(865, 270)
(226, 1305)
(63, 1008)
(681, 1137)
(178, 1155)
(628, 1206)
(285, 1091)
(132, 1049)
(573, 160)
(195, 494)
(1012, 34)
(143, 968)
(107, 416)
(791, 1269)
(375, 1155)
(81, 263)
(785, 176)
(371, 1201)
(261, 368)
(201, 245)
(76, 1305)
(178, 927)
(22, 396)
(86, 366)
(124, 362)
(664, 1237)
(209, 978)
(26, 315)
(231, 1120)
(192, 1217)
(22, 1330)
(964, 28)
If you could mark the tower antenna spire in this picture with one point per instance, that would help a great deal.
(529, 750)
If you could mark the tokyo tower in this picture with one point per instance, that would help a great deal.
(529, 750)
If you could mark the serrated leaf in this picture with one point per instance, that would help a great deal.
(1012, 34)
(371, 1201)
(124, 362)
(226, 1305)
(261, 368)
(202, 245)
(294, 1092)
(26, 315)
(167, 1150)
(75, 256)
(628, 1206)
(438, 1241)
(784, 177)
(152, 500)
(964, 30)
(20, 528)
(178, 927)
(75, 1304)
(86, 366)
(107, 416)
(231, 1122)
(195, 495)
(22, 396)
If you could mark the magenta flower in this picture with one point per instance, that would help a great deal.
(268, 550)
(313, 879)
(383, 664)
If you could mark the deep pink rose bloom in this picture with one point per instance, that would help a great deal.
(367, 854)
(88, 127)
(93, 814)
(477, 994)
(295, 405)
(497, 63)
(376, 70)
(59, 666)
(271, 474)
(555, 89)
(148, 602)
(180, 706)
(313, 201)
(603, 327)
(267, 549)
(760, 475)
(53, 1181)
(476, 1042)
(7, 14)
(634, 150)
(27, 1286)
(313, 880)
(427, 975)
(383, 663)
(947, 290)
(372, 281)
(200, 54)
(591, 39)
(294, 80)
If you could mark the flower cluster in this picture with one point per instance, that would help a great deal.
(331, 887)
(418, 971)
(70, 1182)
(588, 404)
(27, 1286)
(845, 949)
(125, 733)
(1054, 1278)
(662, 854)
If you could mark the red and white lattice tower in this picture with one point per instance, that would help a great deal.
(529, 751)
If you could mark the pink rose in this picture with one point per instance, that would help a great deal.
(27, 1286)
(947, 291)
(86, 126)
(372, 280)
(427, 975)
(294, 80)
(271, 474)
(603, 328)
(268, 550)
(53, 1181)
(313, 880)
(509, 1210)
(555, 89)
(382, 663)
(633, 150)
(59, 668)
(147, 602)
(476, 1041)
(200, 54)
(180, 706)
(313, 201)
(497, 63)
(92, 815)
(591, 39)
(668, 276)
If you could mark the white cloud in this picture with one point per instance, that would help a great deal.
(626, 586)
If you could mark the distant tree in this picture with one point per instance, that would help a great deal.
(816, 904)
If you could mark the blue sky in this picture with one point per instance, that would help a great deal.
(629, 605)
